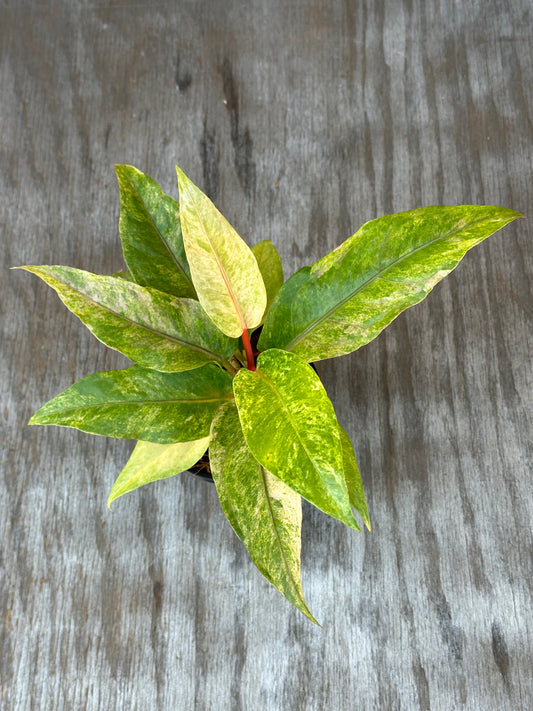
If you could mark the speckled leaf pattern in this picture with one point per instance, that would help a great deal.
(271, 269)
(344, 300)
(223, 268)
(290, 426)
(150, 461)
(264, 512)
(150, 231)
(136, 403)
(352, 478)
(154, 329)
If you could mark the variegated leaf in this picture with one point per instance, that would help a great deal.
(154, 329)
(150, 462)
(271, 269)
(224, 270)
(290, 426)
(150, 232)
(346, 299)
(136, 403)
(264, 512)
(352, 477)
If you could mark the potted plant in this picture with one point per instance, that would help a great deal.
(222, 348)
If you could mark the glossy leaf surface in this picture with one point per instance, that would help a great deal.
(344, 300)
(290, 426)
(150, 462)
(150, 232)
(264, 512)
(352, 478)
(154, 329)
(223, 268)
(271, 269)
(136, 403)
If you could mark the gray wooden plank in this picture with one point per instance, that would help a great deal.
(302, 120)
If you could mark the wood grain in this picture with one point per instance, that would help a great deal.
(302, 120)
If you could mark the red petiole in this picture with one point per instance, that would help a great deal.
(248, 349)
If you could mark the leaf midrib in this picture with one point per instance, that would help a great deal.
(140, 403)
(365, 284)
(294, 586)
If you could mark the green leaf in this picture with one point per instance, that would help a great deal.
(151, 462)
(136, 403)
(290, 426)
(270, 267)
(264, 512)
(352, 477)
(346, 299)
(223, 268)
(150, 231)
(124, 274)
(154, 329)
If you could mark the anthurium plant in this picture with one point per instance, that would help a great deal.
(222, 350)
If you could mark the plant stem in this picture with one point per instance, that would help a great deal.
(237, 360)
(230, 367)
(248, 349)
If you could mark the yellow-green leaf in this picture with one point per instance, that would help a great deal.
(346, 299)
(124, 274)
(352, 477)
(290, 426)
(154, 329)
(150, 461)
(264, 512)
(271, 269)
(150, 232)
(224, 270)
(136, 403)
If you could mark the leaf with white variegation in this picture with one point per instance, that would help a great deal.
(137, 403)
(150, 462)
(224, 270)
(271, 269)
(264, 512)
(352, 477)
(154, 329)
(150, 232)
(290, 426)
(344, 300)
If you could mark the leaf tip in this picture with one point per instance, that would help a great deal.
(183, 181)
(113, 496)
(310, 616)
(507, 215)
(123, 168)
(38, 270)
(351, 522)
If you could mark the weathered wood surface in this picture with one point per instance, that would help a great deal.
(302, 119)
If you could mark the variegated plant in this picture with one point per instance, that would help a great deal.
(189, 307)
